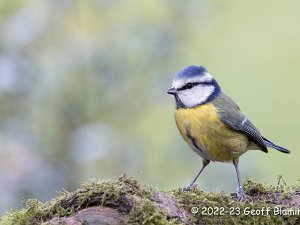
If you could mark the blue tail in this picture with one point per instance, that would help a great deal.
(277, 147)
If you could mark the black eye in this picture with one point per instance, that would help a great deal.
(189, 85)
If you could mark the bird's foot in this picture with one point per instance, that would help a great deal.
(240, 193)
(189, 187)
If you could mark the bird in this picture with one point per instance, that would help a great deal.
(212, 124)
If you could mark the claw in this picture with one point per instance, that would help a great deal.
(189, 187)
(240, 193)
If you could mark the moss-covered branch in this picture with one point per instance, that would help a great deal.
(126, 201)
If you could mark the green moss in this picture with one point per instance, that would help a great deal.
(24, 216)
(145, 212)
(145, 205)
(285, 189)
(105, 193)
(218, 208)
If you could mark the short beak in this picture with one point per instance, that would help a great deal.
(172, 91)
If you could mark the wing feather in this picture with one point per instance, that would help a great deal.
(231, 115)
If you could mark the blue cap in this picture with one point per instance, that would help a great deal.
(190, 72)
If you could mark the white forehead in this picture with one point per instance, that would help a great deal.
(178, 83)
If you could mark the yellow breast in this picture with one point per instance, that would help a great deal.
(203, 130)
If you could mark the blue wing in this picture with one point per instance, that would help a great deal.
(231, 115)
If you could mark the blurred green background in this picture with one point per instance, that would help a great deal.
(82, 90)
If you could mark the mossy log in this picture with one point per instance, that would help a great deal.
(125, 201)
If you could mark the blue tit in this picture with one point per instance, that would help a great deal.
(211, 123)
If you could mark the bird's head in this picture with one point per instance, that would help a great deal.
(193, 86)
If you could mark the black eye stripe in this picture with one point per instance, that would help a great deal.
(206, 83)
(190, 85)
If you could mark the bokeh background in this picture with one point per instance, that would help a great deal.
(82, 90)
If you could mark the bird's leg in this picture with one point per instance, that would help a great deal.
(240, 192)
(205, 162)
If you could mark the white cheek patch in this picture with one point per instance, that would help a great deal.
(196, 96)
(180, 83)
